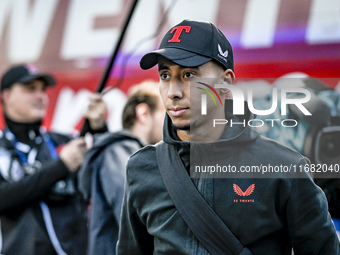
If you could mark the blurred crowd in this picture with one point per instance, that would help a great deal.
(58, 194)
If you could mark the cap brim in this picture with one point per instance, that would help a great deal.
(178, 56)
(46, 78)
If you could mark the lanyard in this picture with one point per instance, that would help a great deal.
(27, 155)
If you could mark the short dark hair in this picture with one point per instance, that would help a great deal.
(145, 92)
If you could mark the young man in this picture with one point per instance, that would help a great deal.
(40, 209)
(267, 216)
(102, 176)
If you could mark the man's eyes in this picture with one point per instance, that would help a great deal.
(164, 76)
(188, 75)
(30, 88)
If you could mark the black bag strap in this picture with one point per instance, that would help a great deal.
(209, 229)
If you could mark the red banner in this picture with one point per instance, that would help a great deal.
(73, 39)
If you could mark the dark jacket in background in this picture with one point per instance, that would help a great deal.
(101, 181)
(22, 226)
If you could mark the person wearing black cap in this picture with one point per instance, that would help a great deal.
(163, 211)
(40, 209)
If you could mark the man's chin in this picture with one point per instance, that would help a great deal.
(183, 127)
(36, 117)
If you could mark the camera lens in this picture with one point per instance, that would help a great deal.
(329, 150)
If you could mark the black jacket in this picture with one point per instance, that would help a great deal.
(280, 213)
(22, 226)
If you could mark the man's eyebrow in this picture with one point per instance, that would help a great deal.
(163, 67)
(195, 67)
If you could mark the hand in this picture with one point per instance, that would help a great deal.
(96, 111)
(73, 154)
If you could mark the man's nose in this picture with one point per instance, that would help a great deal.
(175, 89)
(40, 93)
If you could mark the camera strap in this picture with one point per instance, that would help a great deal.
(28, 156)
(209, 229)
(50, 229)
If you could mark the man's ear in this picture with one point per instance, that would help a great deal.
(142, 112)
(229, 77)
(4, 96)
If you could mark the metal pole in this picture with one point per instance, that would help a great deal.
(110, 64)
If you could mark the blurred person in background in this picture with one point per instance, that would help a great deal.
(41, 211)
(102, 176)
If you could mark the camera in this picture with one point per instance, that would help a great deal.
(316, 136)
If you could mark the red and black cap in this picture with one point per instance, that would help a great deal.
(24, 74)
(190, 44)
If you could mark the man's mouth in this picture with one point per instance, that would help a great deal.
(176, 112)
